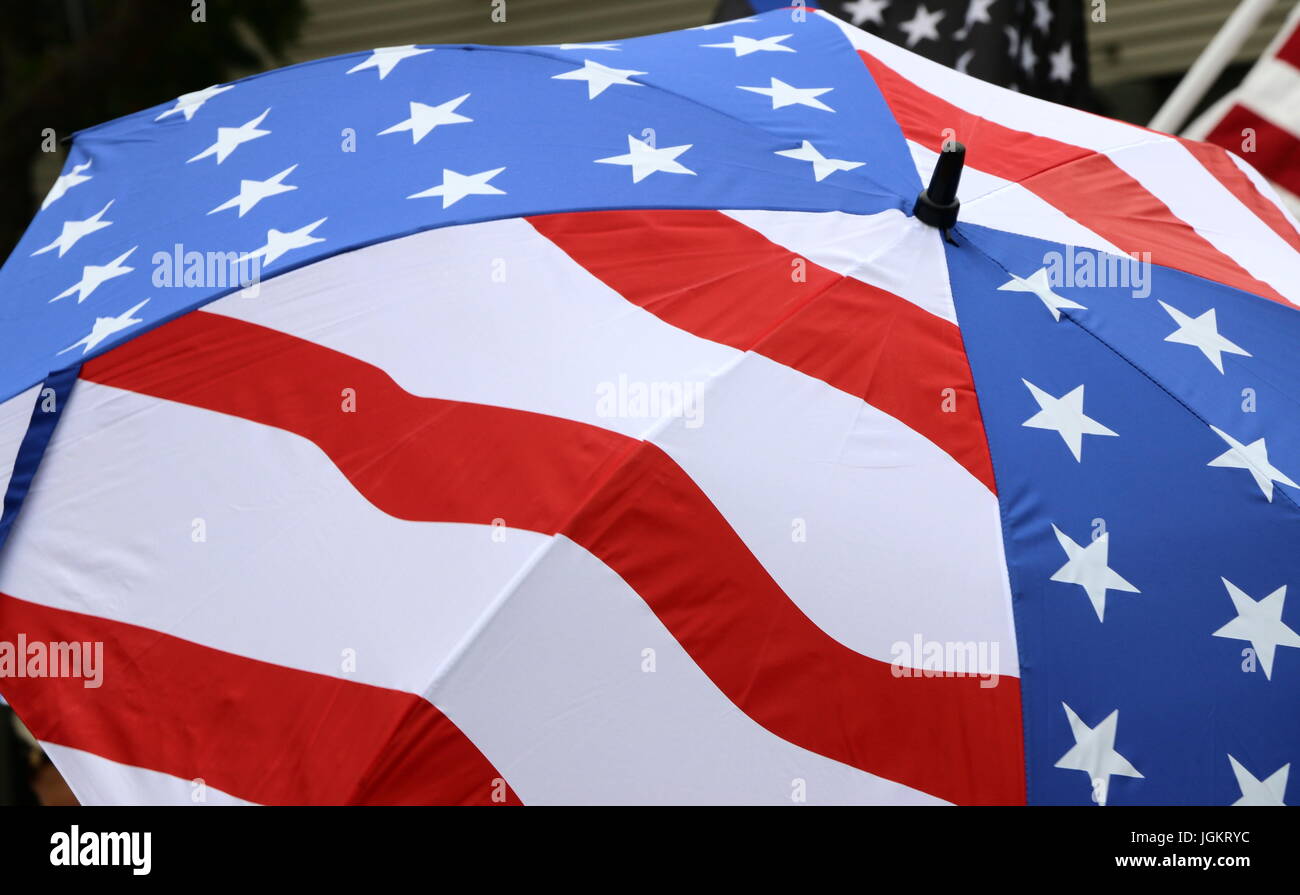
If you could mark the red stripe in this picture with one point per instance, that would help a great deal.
(1290, 49)
(263, 375)
(262, 732)
(944, 736)
(635, 509)
(712, 276)
(1084, 184)
(1277, 150)
(1215, 159)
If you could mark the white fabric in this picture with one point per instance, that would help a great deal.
(96, 780)
(554, 692)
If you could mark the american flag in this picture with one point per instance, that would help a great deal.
(604, 429)
(1259, 120)
(1038, 47)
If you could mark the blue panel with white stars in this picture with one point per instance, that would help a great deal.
(1146, 451)
(777, 112)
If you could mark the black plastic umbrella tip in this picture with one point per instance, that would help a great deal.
(937, 204)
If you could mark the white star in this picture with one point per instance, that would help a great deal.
(963, 61)
(1062, 64)
(1038, 283)
(425, 118)
(253, 191)
(189, 103)
(823, 167)
(1089, 568)
(1260, 623)
(978, 12)
(1042, 15)
(722, 24)
(1013, 38)
(922, 26)
(455, 187)
(613, 47)
(599, 77)
(783, 95)
(645, 159)
(92, 275)
(1094, 753)
(277, 242)
(107, 326)
(1270, 792)
(385, 59)
(1202, 332)
(746, 45)
(228, 138)
(66, 182)
(74, 230)
(1065, 416)
(867, 11)
(1254, 459)
(1028, 60)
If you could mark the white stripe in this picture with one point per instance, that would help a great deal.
(95, 780)
(296, 566)
(376, 304)
(1286, 202)
(1289, 202)
(555, 694)
(1156, 161)
(889, 250)
(991, 201)
(1264, 87)
(1272, 90)
(899, 540)
(1196, 196)
(492, 313)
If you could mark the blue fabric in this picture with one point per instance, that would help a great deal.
(1176, 525)
(547, 134)
(49, 407)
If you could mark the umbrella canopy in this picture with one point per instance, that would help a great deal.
(598, 423)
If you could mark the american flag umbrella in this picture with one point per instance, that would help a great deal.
(615, 423)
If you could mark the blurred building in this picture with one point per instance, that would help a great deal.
(1138, 52)
(1145, 46)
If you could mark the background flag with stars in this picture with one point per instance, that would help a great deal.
(1038, 47)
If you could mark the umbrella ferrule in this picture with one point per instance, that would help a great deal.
(937, 204)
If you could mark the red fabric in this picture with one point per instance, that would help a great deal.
(262, 732)
(630, 505)
(1277, 150)
(896, 356)
(1215, 159)
(1085, 185)
(1290, 49)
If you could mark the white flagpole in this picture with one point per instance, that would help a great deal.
(1210, 64)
